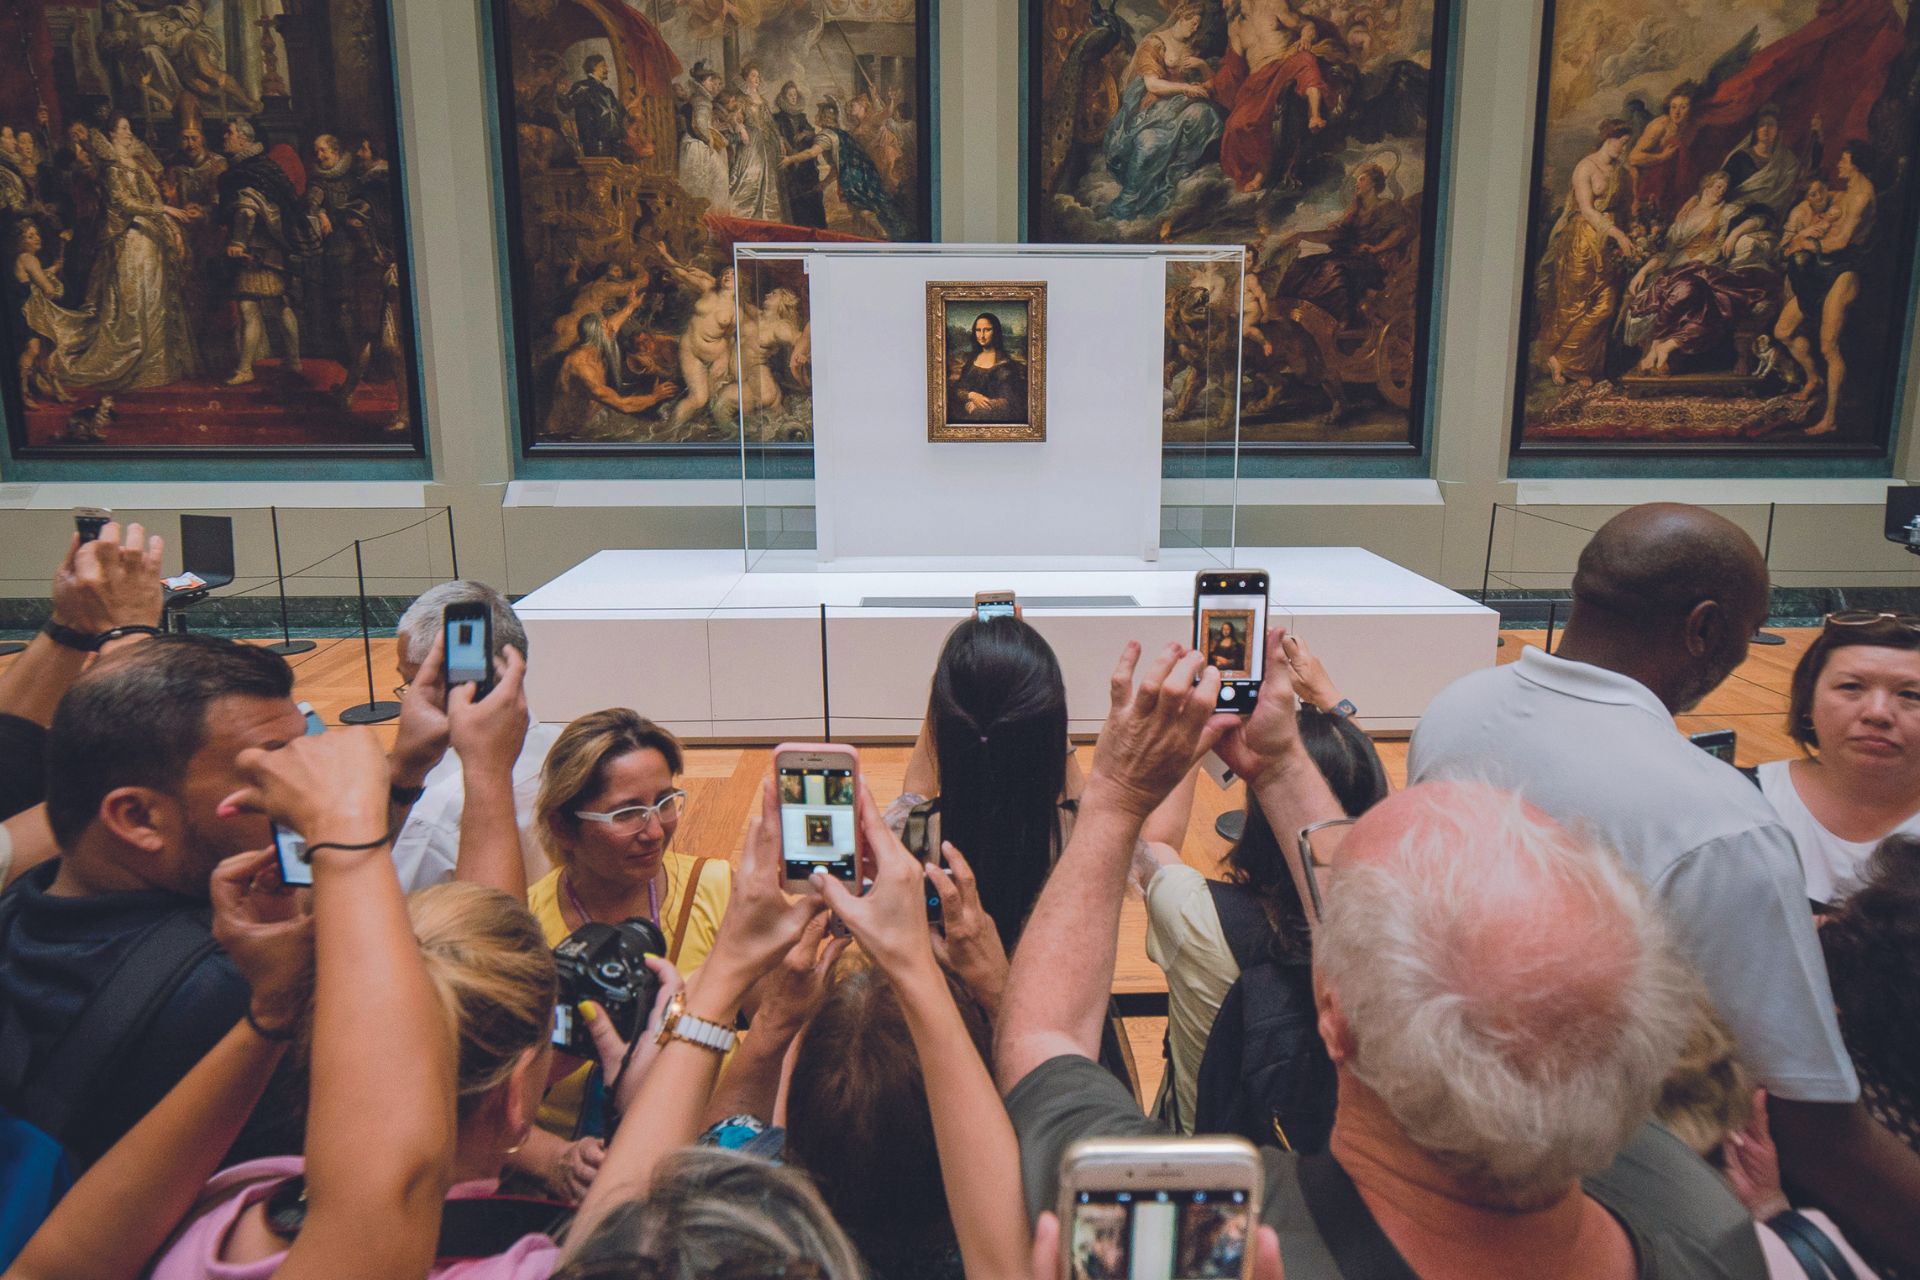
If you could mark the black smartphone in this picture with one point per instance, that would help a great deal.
(90, 521)
(469, 649)
(1717, 743)
(1230, 628)
(296, 871)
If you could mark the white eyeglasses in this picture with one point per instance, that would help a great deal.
(666, 809)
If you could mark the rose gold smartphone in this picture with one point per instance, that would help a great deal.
(1159, 1208)
(819, 829)
(988, 605)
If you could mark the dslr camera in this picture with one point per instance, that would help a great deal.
(605, 963)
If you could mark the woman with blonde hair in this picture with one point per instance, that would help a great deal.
(608, 808)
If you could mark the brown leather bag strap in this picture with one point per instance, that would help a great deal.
(685, 913)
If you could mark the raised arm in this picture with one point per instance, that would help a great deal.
(761, 926)
(380, 1119)
(979, 1156)
(487, 734)
(782, 1003)
(115, 1219)
(100, 586)
(1063, 970)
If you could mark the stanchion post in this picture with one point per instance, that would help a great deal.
(1766, 554)
(453, 547)
(288, 646)
(373, 710)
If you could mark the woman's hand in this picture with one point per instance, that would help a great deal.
(1753, 1165)
(1254, 742)
(972, 946)
(489, 732)
(762, 923)
(785, 999)
(331, 788)
(890, 920)
(263, 926)
(1310, 680)
(572, 1173)
(607, 1041)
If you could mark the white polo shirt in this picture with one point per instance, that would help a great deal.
(1598, 752)
(428, 844)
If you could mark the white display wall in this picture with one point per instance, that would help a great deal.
(1091, 488)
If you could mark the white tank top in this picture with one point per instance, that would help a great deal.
(1834, 867)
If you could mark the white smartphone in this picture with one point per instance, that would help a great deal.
(1230, 628)
(819, 830)
(1159, 1208)
(296, 872)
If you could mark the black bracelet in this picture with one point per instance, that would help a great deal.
(397, 794)
(108, 637)
(280, 1035)
(381, 843)
(69, 638)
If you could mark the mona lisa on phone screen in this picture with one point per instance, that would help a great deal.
(1230, 628)
(1159, 1208)
(818, 825)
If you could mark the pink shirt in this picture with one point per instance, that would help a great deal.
(196, 1254)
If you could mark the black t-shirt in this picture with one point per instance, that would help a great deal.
(23, 765)
(1683, 1221)
(56, 951)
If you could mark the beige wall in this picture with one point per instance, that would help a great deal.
(1826, 532)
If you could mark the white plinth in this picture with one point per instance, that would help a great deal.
(694, 641)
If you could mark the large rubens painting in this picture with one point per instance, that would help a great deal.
(205, 244)
(1722, 241)
(642, 140)
(1305, 130)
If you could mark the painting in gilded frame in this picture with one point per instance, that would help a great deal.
(986, 361)
(1308, 131)
(205, 232)
(641, 141)
(1722, 236)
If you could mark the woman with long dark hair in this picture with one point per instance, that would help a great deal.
(993, 760)
(1189, 933)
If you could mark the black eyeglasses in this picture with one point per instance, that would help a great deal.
(1318, 843)
(1870, 617)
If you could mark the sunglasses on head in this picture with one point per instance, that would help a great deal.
(1871, 617)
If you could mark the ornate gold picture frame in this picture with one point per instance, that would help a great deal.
(1004, 325)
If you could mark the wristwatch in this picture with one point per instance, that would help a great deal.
(681, 1025)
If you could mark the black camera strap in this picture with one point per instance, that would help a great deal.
(1359, 1247)
(1810, 1246)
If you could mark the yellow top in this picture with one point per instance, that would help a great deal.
(561, 1110)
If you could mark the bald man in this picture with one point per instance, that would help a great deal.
(1499, 999)
(1665, 598)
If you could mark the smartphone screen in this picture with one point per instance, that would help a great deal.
(469, 658)
(989, 605)
(1718, 743)
(1230, 628)
(1159, 1235)
(291, 847)
(90, 521)
(817, 823)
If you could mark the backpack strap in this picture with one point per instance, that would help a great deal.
(685, 913)
(1810, 1246)
(1359, 1247)
(114, 1017)
(1243, 921)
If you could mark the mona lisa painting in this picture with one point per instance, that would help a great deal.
(986, 361)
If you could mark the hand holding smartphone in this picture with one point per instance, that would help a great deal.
(1157, 1208)
(819, 829)
(1230, 628)
(469, 646)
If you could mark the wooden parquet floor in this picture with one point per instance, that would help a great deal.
(721, 781)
